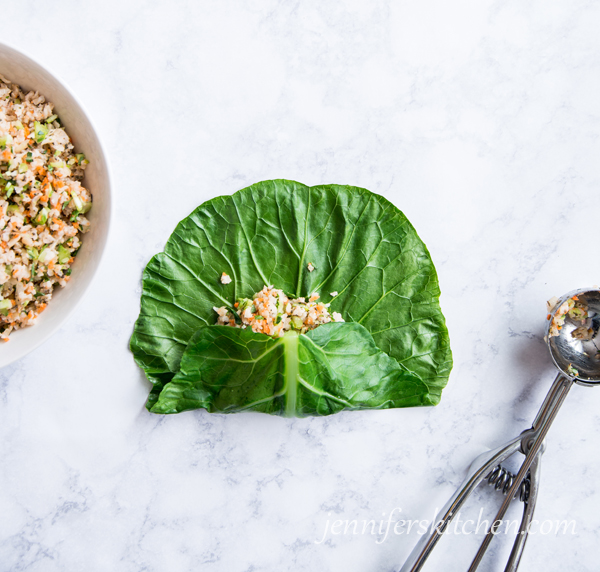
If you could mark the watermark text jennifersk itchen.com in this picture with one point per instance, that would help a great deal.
(395, 525)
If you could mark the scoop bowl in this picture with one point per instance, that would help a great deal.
(577, 358)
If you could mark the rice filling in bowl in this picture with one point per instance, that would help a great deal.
(42, 205)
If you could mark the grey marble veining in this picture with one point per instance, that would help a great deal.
(480, 120)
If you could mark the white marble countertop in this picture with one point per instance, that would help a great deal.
(480, 120)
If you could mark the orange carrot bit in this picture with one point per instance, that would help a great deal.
(26, 129)
(235, 305)
(548, 316)
(574, 297)
(41, 307)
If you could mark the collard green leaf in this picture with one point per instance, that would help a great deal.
(360, 245)
(333, 367)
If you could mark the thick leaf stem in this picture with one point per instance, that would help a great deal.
(290, 372)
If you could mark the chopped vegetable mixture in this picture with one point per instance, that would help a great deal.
(42, 205)
(572, 308)
(271, 312)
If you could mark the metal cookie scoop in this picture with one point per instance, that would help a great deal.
(573, 337)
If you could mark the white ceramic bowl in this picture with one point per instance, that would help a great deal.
(21, 69)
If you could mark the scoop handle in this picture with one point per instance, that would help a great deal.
(523, 533)
(550, 403)
(560, 389)
(480, 468)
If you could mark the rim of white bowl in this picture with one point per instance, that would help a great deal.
(109, 215)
